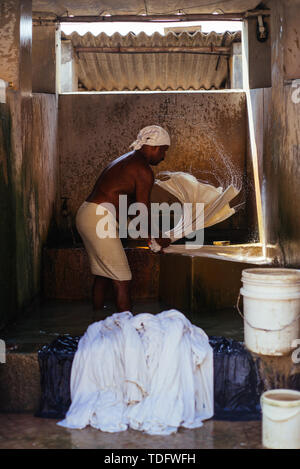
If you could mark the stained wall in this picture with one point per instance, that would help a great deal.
(9, 49)
(258, 109)
(275, 112)
(7, 224)
(282, 158)
(29, 186)
(208, 138)
(16, 43)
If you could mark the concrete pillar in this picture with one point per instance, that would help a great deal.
(3, 88)
(257, 55)
(16, 44)
(281, 161)
(46, 59)
(68, 71)
(236, 66)
(292, 40)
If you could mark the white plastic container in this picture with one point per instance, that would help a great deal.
(271, 300)
(281, 419)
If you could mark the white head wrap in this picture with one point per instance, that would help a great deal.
(153, 135)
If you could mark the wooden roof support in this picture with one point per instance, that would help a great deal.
(150, 18)
(213, 50)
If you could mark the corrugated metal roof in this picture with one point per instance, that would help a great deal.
(152, 71)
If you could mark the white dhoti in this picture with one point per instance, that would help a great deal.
(106, 254)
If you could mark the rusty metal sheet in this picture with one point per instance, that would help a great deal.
(99, 71)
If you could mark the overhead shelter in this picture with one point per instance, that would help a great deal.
(139, 62)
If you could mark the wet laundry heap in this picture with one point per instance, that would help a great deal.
(152, 373)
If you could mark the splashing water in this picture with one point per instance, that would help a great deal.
(277, 372)
(223, 168)
(224, 172)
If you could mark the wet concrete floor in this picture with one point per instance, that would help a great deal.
(53, 318)
(24, 431)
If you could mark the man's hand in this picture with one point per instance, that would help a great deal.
(158, 244)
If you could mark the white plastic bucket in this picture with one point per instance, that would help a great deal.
(281, 419)
(271, 300)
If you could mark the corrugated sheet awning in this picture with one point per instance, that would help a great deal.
(186, 69)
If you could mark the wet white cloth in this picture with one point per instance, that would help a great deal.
(188, 190)
(152, 373)
(152, 135)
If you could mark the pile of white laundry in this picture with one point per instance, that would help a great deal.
(152, 373)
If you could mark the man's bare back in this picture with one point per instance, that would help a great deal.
(130, 175)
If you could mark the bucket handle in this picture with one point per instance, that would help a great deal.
(259, 328)
(292, 414)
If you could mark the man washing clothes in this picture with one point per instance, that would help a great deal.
(130, 175)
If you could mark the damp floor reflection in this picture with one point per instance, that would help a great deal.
(55, 318)
(23, 431)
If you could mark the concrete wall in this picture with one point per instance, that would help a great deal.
(275, 113)
(287, 156)
(68, 68)
(29, 183)
(7, 225)
(281, 163)
(208, 135)
(45, 55)
(9, 51)
(291, 39)
(257, 65)
(236, 66)
(15, 43)
(258, 108)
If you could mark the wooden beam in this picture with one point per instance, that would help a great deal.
(212, 50)
(39, 19)
(151, 18)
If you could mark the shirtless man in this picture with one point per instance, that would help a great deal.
(130, 175)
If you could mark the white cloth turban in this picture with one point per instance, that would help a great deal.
(153, 135)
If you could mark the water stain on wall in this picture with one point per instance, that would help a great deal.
(208, 137)
(29, 128)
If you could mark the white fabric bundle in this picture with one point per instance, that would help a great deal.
(152, 373)
(187, 189)
(152, 135)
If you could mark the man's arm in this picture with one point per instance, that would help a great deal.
(144, 184)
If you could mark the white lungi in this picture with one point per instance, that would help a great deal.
(106, 255)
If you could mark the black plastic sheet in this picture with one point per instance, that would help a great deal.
(237, 385)
(55, 361)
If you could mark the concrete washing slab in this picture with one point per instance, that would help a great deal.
(210, 279)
